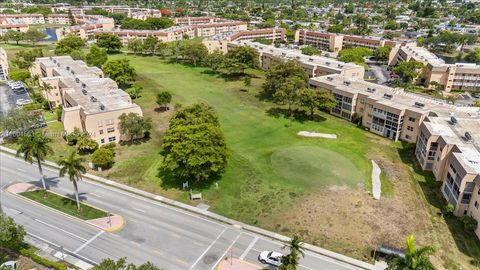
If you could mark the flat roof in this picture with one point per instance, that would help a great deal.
(298, 55)
(395, 97)
(92, 93)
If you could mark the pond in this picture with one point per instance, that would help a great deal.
(52, 35)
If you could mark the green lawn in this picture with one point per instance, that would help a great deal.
(64, 204)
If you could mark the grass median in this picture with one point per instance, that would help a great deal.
(64, 204)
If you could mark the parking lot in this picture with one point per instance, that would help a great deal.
(9, 98)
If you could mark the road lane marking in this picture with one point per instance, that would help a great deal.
(224, 253)
(153, 227)
(158, 252)
(135, 243)
(181, 261)
(88, 242)
(96, 195)
(139, 210)
(60, 229)
(22, 170)
(198, 243)
(252, 243)
(208, 248)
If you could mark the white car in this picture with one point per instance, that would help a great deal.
(270, 257)
(22, 101)
(9, 265)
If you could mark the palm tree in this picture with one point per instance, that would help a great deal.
(72, 165)
(291, 261)
(416, 259)
(47, 88)
(34, 146)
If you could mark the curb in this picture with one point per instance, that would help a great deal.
(65, 214)
(272, 235)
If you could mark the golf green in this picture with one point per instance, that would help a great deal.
(315, 166)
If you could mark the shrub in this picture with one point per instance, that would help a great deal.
(475, 262)
(42, 261)
(449, 208)
(103, 157)
(73, 137)
(86, 145)
(469, 223)
(59, 112)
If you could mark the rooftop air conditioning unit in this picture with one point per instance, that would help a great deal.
(68, 68)
(330, 78)
(327, 63)
(418, 104)
(371, 90)
(388, 96)
(102, 107)
(85, 92)
(93, 99)
(468, 136)
(453, 120)
(346, 82)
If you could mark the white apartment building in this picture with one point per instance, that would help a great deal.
(3, 64)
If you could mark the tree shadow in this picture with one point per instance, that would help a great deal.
(139, 141)
(161, 109)
(465, 241)
(69, 197)
(297, 115)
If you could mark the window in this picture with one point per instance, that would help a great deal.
(476, 205)
(110, 130)
(112, 139)
(100, 131)
(102, 141)
(409, 128)
(411, 119)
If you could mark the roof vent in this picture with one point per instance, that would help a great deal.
(388, 96)
(329, 78)
(327, 63)
(54, 60)
(77, 80)
(84, 85)
(73, 72)
(371, 90)
(84, 91)
(93, 99)
(419, 104)
(346, 82)
(102, 107)
(68, 68)
(453, 120)
(468, 136)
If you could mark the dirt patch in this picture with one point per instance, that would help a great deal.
(25, 263)
(350, 221)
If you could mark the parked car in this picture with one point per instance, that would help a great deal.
(22, 101)
(270, 257)
(476, 95)
(9, 265)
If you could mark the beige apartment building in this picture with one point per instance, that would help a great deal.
(59, 19)
(3, 64)
(89, 24)
(336, 42)
(211, 29)
(314, 65)
(22, 19)
(388, 112)
(197, 20)
(14, 27)
(165, 35)
(449, 147)
(458, 76)
(90, 101)
(130, 12)
(220, 41)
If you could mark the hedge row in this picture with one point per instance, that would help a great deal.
(42, 261)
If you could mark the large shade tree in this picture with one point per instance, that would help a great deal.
(194, 145)
(35, 147)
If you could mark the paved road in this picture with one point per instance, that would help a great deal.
(168, 237)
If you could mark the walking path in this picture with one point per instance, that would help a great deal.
(316, 135)
(376, 183)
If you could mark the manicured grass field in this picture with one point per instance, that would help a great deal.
(64, 204)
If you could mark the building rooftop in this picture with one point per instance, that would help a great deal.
(93, 93)
(396, 97)
(423, 55)
(297, 55)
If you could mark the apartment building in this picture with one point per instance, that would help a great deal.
(14, 27)
(164, 35)
(336, 42)
(458, 76)
(197, 20)
(450, 148)
(211, 29)
(29, 19)
(385, 111)
(220, 41)
(314, 65)
(3, 64)
(90, 101)
(88, 25)
(59, 19)
(130, 12)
